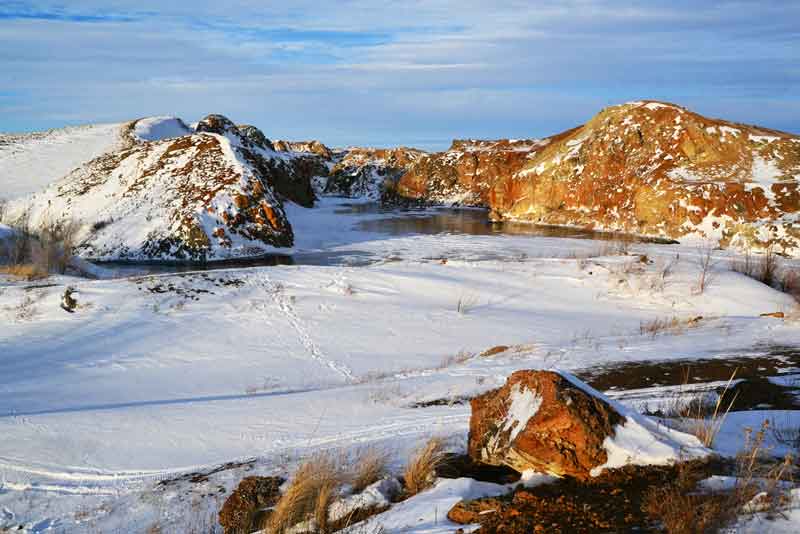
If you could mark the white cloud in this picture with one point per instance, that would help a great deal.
(343, 71)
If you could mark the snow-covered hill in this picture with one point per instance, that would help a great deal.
(173, 194)
(30, 162)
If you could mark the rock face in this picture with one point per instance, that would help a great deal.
(216, 193)
(369, 172)
(541, 421)
(467, 172)
(644, 167)
(242, 512)
(310, 147)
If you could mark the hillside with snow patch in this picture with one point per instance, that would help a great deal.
(174, 195)
(29, 162)
(646, 167)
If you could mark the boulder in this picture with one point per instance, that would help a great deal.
(243, 511)
(541, 421)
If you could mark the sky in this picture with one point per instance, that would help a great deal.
(383, 73)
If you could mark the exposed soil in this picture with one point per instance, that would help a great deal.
(612, 502)
(752, 390)
(461, 465)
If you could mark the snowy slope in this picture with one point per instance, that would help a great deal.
(158, 128)
(29, 162)
(158, 375)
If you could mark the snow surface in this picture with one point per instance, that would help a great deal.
(144, 383)
(29, 162)
(426, 513)
(641, 440)
(157, 128)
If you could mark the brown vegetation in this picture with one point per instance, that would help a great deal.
(420, 473)
(368, 466)
(758, 486)
(672, 325)
(309, 495)
(34, 253)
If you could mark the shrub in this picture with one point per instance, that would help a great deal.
(705, 262)
(763, 268)
(26, 271)
(663, 325)
(682, 509)
(314, 486)
(707, 426)
(49, 249)
(369, 465)
(420, 473)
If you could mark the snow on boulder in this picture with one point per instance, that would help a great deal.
(158, 128)
(552, 423)
(211, 195)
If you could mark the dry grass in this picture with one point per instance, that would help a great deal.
(369, 466)
(759, 486)
(46, 249)
(786, 432)
(466, 303)
(420, 473)
(706, 426)
(681, 510)
(672, 325)
(789, 282)
(768, 269)
(455, 359)
(705, 263)
(26, 271)
(315, 485)
(702, 413)
(763, 268)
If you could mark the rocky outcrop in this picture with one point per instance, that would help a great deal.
(466, 173)
(310, 147)
(541, 421)
(244, 511)
(646, 167)
(369, 172)
(255, 136)
(216, 193)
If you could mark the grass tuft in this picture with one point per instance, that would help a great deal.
(312, 490)
(369, 466)
(420, 473)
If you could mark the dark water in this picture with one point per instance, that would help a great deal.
(471, 221)
(397, 222)
(750, 369)
(352, 259)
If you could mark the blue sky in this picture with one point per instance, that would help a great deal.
(386, 73)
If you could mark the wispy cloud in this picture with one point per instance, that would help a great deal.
(363, 71)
